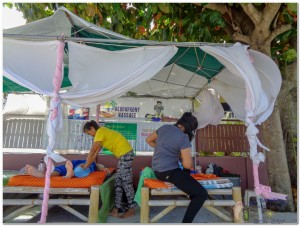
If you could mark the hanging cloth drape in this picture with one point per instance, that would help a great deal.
(257, 107)
(30, 64)
(210, 110)
(99, 75)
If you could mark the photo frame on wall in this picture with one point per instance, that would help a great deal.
(79, 113)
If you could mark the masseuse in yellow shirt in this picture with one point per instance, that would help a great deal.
(119, 146)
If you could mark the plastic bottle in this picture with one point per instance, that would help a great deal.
(198, 168)
(42, 166)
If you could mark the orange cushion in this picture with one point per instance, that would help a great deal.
(95, 178)
(155, 183)
(202, 176)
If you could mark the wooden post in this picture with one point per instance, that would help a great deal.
(145, 209)
(238, 208)
(162, 213)
(94, 204)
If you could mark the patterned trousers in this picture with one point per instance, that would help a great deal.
(124, 181)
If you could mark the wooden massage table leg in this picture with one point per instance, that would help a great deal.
(94, 204)
(145, 208)
(238, 216)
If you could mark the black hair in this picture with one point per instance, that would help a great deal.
(190, 124)
(89, 125)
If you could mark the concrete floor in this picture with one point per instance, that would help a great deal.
(57, 215)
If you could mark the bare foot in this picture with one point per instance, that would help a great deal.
(31, 170)
(129, 213)
(238, 212)
(114, 212)
(100, 167)
(70, 171)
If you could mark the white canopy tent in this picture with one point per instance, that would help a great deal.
(98, 75)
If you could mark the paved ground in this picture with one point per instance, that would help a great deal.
(57, 215)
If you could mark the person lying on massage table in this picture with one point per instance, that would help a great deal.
(70, 169)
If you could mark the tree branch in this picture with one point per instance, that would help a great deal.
(278, 31)
(216, 6)
(252, 13)
(268, 14)
(241, 38)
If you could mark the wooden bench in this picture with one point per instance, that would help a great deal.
(92, 200)
(67, 196)
(147, 194)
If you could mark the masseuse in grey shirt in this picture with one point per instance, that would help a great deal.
(172, 143)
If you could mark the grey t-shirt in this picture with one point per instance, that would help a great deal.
(170, 141)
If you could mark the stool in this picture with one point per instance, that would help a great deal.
(248, 194)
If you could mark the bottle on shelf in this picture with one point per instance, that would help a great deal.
(42, 166)
(198, 168)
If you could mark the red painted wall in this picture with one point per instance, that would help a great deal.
(236, 165)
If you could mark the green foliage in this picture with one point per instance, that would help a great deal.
(292, 7)
(290, 55)
(154, 21)
(188, 22)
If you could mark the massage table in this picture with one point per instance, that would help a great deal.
(158, 193)
(67, 197)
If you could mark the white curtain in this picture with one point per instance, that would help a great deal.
(270, 78)
(210, 110)
(99, 75)
(30, 64)
(262, 81)
(238, 64)
(260, 90)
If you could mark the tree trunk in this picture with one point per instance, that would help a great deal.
(276, 158)
(287, 101)
(277, 163)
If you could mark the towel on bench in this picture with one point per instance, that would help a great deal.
(95, 178)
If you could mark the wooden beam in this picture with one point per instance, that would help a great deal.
(16, 212)
(238, 207)
(162, 213)
(187, 202)
(21, 202)
(145, 207)
(218, 213)
(74, 212)
(40, 190)
(162, 191)
(94, 204)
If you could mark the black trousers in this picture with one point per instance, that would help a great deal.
(190, 186)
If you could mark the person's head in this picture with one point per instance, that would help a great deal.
(159, 102)
(189, 123)
(90, 128)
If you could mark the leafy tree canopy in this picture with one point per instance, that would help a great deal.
(179, 22)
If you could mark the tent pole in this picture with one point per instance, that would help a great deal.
(52, 125)
(117, 41)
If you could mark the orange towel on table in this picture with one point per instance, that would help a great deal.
(95, 178)
(202, 176)
(155, 183)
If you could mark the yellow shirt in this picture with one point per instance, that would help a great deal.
(113, 141)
